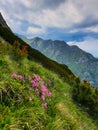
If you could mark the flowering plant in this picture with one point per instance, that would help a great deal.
(38, 85)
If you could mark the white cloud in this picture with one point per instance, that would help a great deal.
(34, 30)
(65, 15)
(71, 15)
(87, 7)
(27, 3)
(93, 29)
(89, 45)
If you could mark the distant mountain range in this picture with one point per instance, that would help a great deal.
(81, 63)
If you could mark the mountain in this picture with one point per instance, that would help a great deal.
(3, 22)
(24, 38)
(81, 63)
(39, 93)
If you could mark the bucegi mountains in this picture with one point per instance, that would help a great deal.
(81, 63)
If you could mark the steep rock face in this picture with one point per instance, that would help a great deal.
(80, 62)
(3, 22)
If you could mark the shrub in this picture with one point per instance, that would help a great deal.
(19, 52)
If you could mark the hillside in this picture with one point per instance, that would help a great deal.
(81, 63)
(39, 93)
(33, 54)
(22, 108)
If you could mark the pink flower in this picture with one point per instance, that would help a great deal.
(43, 93)
(43, 97)
(37, 92)
(14, 75)
(44, 105)
(49, 94)
(43, 88)
(20, 77)
(34, 83)
(36, 77)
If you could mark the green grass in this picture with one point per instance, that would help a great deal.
(35, 55)
(17, 112)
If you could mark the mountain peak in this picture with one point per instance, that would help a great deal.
(3, 22)
(37, 38)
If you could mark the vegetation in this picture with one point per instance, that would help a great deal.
(22, 106)
(36, 55)
(85, 94)
(25, 104)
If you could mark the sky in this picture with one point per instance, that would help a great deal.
(74, 21)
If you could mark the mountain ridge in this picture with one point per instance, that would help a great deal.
(81, 63)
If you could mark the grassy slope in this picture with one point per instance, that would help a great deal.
(61, 114)
(37, 56)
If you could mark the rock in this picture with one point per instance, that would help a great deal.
(3, 22)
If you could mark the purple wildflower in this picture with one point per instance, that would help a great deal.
(44, 105)
(20, 77)
(14, 75)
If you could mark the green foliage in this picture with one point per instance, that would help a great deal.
(33, 54)
(2, 63)
(4, 48)
(19, 53)
(85, 94)
(18, 111)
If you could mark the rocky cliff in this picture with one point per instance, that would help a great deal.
(3, 22)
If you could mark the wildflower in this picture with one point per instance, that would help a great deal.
(20, 77)
(14, 75)
(43, 88)
(24, 50)
(37, 92)
(49, 94)
(34, 83)
(43, 97)
(45, 91)
(38, 86)
(44, 105)
(36, 77)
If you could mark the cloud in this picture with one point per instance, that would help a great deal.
(35, 30)
(75, 21)
(41, 4)
(89, 45)
(53, 13)
(52, 4)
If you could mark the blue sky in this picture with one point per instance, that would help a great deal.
(74, 21)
